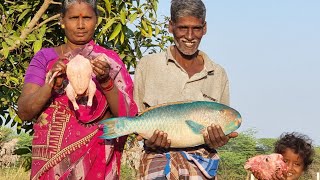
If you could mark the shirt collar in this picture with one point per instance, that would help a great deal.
(208, 63)
(169, 56)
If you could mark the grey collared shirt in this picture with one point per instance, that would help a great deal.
(159, 79)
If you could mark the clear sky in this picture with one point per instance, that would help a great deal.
(271, 52)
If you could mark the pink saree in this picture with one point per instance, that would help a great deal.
(66, 143)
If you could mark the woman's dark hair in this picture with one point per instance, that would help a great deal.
(67, 3)
(299, 143)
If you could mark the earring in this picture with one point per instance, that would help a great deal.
(62, 26)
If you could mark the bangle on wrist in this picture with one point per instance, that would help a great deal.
(109, 85)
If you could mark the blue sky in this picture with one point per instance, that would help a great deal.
(271, 52)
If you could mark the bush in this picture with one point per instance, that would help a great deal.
(126, 172)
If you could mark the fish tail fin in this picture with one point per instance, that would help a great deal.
(115, 127)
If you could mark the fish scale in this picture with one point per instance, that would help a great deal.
(184, 122)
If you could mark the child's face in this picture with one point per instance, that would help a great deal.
(295, 164)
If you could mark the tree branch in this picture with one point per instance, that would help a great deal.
(53, 2)
(46, 21)
(25, 32)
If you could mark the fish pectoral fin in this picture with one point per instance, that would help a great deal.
(195, 127)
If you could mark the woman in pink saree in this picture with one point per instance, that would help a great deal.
(66, 143)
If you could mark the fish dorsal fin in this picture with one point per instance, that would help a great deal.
(165, 104)
(195, 127)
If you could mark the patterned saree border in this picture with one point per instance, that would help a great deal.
(56, 130)
(58, 157)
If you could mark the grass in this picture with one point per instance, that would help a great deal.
(126, 173)
(14, 174)
(19, 173)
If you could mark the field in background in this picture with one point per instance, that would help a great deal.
(14, 174)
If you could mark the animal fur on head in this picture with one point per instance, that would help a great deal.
(67, 3)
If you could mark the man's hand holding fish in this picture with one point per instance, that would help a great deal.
(214, 138)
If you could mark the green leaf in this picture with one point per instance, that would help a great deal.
(129, 33)
(143, 32)
(23, 6)
(42, 32)
(5, 49)
(133, 17)
(116, 41)
(122, 56)
(1, 7)
(24, 13)
(122, 38)
(108, 6)
(32, 37)
(12, 112)
(9, 41)
(99, 21)
(22, 150)
(37, 45)
(18, 120)
(149, 31)
(144, 24)
(14, 80)
(154, 5)
(106, 27)
(101, 9)
(116, 31)
(157, 30)
(123, 17)
(28, 20)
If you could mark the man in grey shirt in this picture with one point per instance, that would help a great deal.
(181, 73)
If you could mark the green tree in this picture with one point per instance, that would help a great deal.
(24, 150)
(311, 173)
(234, 155)
(129, 27)
(5, 135)
(266, 145)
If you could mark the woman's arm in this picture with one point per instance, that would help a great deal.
(34, 97)
(101, 69)
(112, 94)
(32, 100)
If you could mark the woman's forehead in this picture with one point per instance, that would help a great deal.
(81, 7)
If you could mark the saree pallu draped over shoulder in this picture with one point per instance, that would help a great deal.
(66, 143)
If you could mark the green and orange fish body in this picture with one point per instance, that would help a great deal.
(184, 122)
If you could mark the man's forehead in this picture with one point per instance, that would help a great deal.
(185, 19)
(188, 24)
(189, 20)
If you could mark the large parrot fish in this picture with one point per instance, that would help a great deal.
(184, 122)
